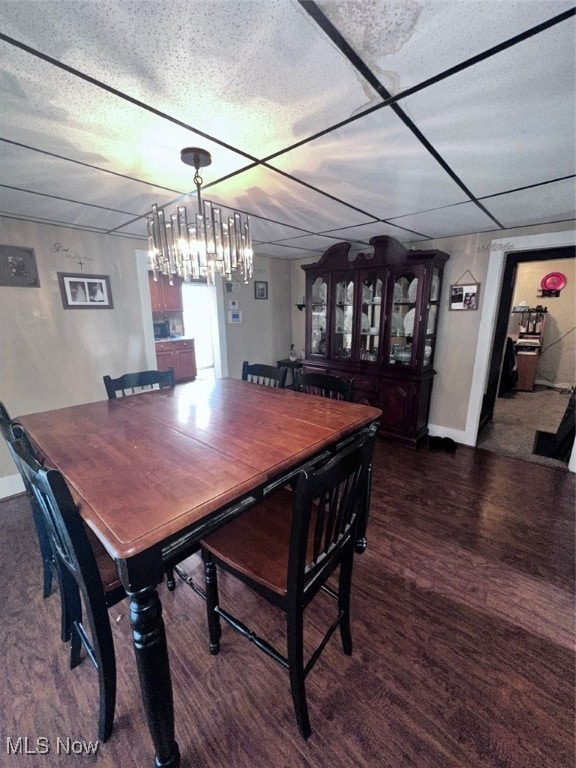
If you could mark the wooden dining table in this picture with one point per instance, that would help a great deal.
(155, 472)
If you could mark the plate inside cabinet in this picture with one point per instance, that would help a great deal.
(413, 290)
(409, 322)
(431, 319)
(435, 289)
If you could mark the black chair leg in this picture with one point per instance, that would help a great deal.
(170, 579)
(211, 583)
(361, 540)
(100, 648)
(66, 621)
(295, 641)
(344, 589)
(45, 549)
(106, 663)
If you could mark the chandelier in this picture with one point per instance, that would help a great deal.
(207, 244)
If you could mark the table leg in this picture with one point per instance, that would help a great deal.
(151, 651)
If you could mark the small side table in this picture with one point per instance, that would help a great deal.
(293, 365)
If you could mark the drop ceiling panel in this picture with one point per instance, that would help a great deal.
(270, 195)
(364, 232)
(311, 242)
(254, 78)
(376, 164)
(510, 120)
(462, 219)
(404, 43)
(75, 182)
(269, 231)
(56, 112)
(290, 251)
(535, 206)
(257, 72)
(42, 208)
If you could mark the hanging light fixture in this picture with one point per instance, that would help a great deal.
(200, 248)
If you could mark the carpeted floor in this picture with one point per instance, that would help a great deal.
(516, 419)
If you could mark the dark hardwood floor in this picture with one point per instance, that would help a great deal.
(463, 627)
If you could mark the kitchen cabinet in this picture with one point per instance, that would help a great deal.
(178, 354)
(163, 296)
(373, 317)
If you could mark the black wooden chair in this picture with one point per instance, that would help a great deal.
(325, 385)
(337, 388)
(285, 548)
(39, 524)
(129, 383)
(268, 375)
(87, 574)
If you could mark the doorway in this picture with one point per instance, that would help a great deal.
(503, 421)
(199, 324)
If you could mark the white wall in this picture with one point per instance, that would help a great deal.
(50, 356)
(264, 334)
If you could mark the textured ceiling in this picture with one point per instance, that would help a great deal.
(327, 120)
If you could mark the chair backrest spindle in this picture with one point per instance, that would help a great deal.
(266, 375)
(141, 380)
(325, 385)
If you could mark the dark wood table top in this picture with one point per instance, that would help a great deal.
(144, 468)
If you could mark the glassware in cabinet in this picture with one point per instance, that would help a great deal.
(403, 300)
(344, 286)
(370, 302)
(318, 313)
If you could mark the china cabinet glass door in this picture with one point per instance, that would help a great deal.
(403, 320)
(343, 321)
(432, 318)
(319, 315)
(371, 309)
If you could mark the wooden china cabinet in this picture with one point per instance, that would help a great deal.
(373, 317)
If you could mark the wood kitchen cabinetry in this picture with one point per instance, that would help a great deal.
(373, 317)
(177, 354)
(163, 296)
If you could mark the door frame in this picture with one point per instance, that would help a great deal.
(501, 329)
(499, 249)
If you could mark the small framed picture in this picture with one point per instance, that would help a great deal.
(260, 289)
(464, 296)
(18, 267)
(85, 291)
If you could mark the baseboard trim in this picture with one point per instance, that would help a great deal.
(458, 435)
(556, 385)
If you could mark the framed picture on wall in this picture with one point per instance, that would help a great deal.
(81, 291)
(464, 296)
(260, 289)
(18, 267)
